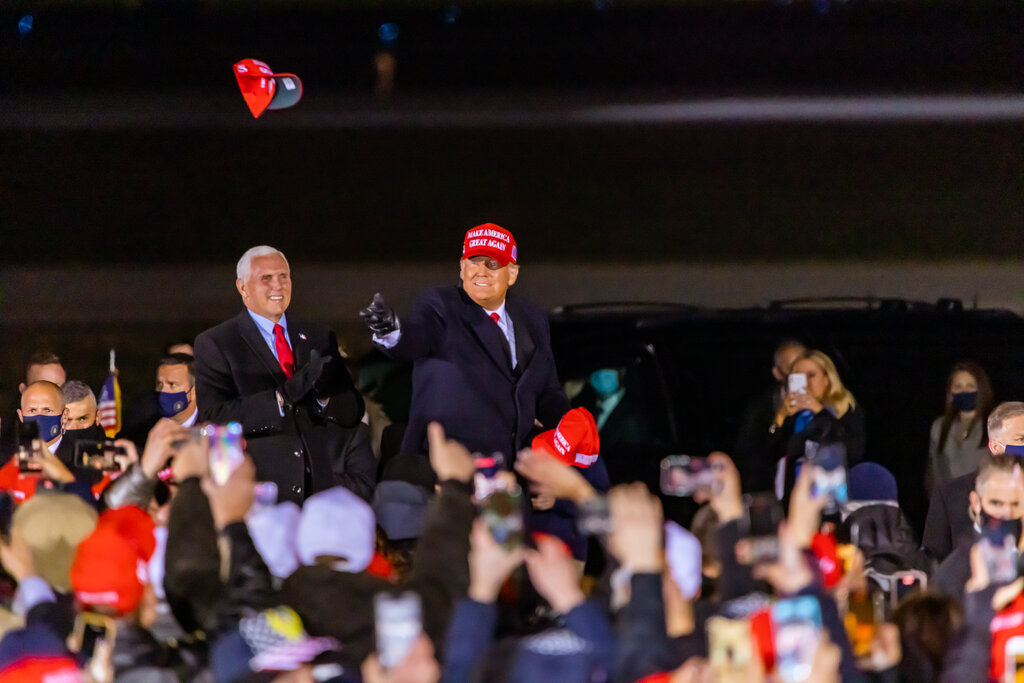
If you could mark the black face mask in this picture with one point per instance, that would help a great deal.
(1015, 525)
(92, 433)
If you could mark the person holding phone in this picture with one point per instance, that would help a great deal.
(284, 380)
(817, 408)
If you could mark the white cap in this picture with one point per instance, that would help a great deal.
(337, 522)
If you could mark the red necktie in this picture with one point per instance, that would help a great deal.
(284, 352)
(495, 317)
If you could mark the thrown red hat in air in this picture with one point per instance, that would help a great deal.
(574, 441)
(490, 240)
(263, 89)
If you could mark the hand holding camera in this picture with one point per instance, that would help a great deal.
(379, 317)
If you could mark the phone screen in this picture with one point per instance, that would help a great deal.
(100, 455)
(502, 511)
(797, 383)
(593, 517)
(796, 627)
(398, 623)
(683, 476)
(730, 648)
(226, 454)
(759, 529)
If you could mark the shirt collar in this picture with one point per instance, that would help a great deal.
(500, 310)
(191, 419)
(56, 444)
(266, 324)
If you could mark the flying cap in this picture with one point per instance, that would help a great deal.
(263, 89)
(574, 441)
(321, 533)
(490, 240)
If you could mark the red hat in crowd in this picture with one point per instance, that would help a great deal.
(574, 441)
(263, 89)
(111, 566)
(490, 240)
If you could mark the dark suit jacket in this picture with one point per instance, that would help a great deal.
(948, 518)
(463, 378)
(236, 377)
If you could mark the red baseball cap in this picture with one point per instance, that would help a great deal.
(111, 564)
(490, 240)
(574, 441)
(263, 89)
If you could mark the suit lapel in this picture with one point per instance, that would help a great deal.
(254, 340)
(489, 336)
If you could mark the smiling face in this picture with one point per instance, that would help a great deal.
(817, 381)
(268, 290)
(486, 281)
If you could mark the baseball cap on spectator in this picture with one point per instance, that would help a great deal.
(337, 523)
(53, 525)
(263, 89)
(110, 568)
(574, 441)
(871, 481)
(400, 508)
(271, 640)
(490, 240)
(273, 530)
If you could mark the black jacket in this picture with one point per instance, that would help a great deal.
(236, 379)
(463, 377)
(949, 519)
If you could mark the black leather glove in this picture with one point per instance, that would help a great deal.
(304, 380)
(379, 317)
(333, 378)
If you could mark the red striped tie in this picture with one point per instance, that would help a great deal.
(284, 352)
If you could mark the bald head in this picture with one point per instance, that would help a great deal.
(41, 398)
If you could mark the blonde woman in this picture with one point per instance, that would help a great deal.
(817, 407)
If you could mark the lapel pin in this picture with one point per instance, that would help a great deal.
(302, 336)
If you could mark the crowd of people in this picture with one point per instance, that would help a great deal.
(485, 541)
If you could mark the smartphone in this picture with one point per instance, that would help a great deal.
(502, 511)
(226, 454)
(100, 455)
(759, 530)
(906, 583)
(485, 480)
(593, 517)
(865, 610)
(829, 482)
(796, 631)
(999, 550)
(89, 630)
(730, 649)
(398, 623)
(682, 475)
(1014, 658)
(796, 383)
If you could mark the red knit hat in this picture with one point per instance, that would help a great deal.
(574, 441)
(110, 567)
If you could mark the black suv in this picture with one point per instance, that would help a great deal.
(691, 372)
(694, 370)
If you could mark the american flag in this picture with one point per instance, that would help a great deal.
(110, 402)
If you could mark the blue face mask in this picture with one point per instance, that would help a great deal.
(605, 382)
(172, 404)
(965, 401)
(1014, 450)
(49, 426)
